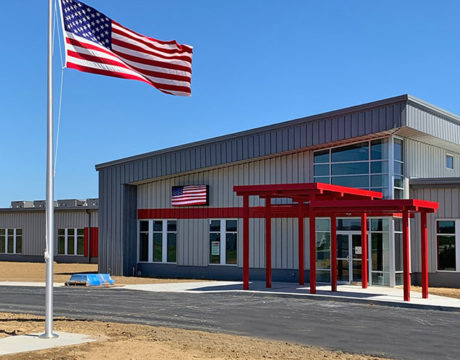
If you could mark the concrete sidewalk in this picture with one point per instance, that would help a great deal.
(377, 295)
(33, 342)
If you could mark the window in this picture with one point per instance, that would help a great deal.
(450, 162)
(223, 242)
(398, 168)
(378, 229)
(446, 237)
(71, 241)
(363, 165)
(10, 241)
(323, 249)
(157, 241)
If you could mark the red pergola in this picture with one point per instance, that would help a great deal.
(324, 200)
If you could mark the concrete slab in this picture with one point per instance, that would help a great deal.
(28, 283)
(349, 293)
(32, 342)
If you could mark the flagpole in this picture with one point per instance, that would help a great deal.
(49, 252)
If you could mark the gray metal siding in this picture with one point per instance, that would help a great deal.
(292, 168)
(32, 224)
(449, 207)
(432, 123)
(193, 235)
(428, 161)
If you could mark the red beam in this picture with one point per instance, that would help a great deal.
(364, 250)
(406, 256)
(424, 239)
(312, 253)
(307, 189)
(245, 242)
(333, 253)
(268, 242)
(278, 211)
(301, 245)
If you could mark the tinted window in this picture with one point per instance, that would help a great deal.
(378, 149)
(352, 181)
(350, 168)
(354, 152)
(446, 227)
(446, 252)
(321, 156)
(322, 170)
(398, 149)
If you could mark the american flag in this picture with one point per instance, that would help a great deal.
(189, 195)
(96, 44)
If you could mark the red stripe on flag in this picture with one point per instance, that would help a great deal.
(97, 59)
(186, 55)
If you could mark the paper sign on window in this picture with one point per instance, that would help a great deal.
(215, 248)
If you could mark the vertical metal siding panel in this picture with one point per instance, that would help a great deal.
(227, 155)
(303, 135)
(244, 147)
(315, 133)
(310, 134)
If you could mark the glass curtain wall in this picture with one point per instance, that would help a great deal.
(363, 165)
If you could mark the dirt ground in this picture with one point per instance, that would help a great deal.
(35, 272)
(449, 292)
(129, 341)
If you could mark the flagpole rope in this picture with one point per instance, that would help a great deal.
(61, 87)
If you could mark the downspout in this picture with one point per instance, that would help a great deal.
(89, 236)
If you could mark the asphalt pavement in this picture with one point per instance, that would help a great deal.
(358, 328)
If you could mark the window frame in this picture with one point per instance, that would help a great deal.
(385, 161)
(457, 244)
(223, 241)
(150, 241)
(15, 236)
(66, 241)
(448, 155)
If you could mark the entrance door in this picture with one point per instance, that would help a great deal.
(348, 257)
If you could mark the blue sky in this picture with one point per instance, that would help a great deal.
(255, 63)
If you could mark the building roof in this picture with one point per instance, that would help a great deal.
(435, 182)
(446, 115)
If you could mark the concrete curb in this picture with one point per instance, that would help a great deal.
(341, 299)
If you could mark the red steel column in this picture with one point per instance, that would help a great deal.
(312, 253)
(245, 242)
(406, 257)
(301, 245)
(364, 250)
(333, 253)
(268, 242)
(424, 238)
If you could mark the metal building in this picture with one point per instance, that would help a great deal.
(22, 231)
(401, 146)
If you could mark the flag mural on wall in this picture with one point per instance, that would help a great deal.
(96, 44)
(189, 195)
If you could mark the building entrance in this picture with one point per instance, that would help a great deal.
(349, 257)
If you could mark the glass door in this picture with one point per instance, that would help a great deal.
(348, 257)
(343, 257)
(356, 251)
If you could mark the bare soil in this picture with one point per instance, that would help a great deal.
(130, 341)
(35, 272)
(449, 292)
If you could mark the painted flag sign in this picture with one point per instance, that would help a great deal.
(96, 44)
(189, 195)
